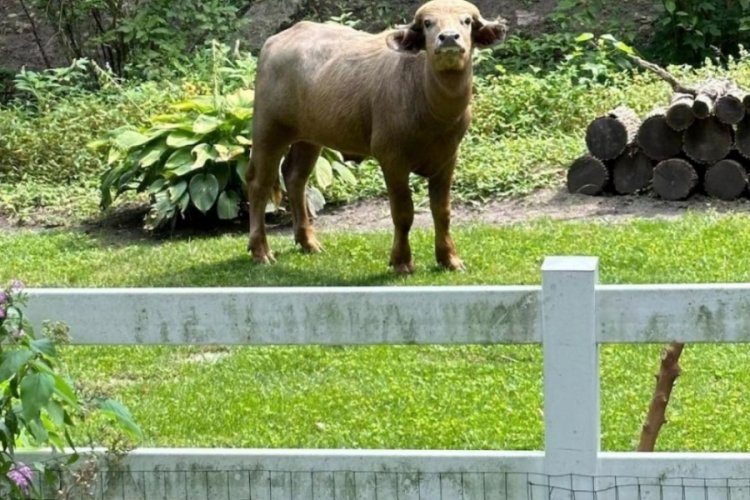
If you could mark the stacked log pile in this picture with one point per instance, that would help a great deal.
(699, 140)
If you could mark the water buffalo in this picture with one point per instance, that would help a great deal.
(401, 96)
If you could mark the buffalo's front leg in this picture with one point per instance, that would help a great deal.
(402, 213)
(440, 205)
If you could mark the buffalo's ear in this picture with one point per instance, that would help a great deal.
(409, 38)
(488, 33)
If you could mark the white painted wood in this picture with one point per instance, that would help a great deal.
(665, 313)
(571, 365)
(315, 315)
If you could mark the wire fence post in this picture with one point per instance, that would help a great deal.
(571, 372)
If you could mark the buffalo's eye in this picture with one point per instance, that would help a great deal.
(467, 21)
(427, 23)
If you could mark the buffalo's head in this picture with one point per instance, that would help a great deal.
(448, 30)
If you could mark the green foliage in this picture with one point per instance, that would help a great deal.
(196, 156)
(38, 402)
(140, 38)
(689, 31)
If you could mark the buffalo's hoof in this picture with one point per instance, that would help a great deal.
(312, 245)
(262, 257)
(403, 269)
(453, 263)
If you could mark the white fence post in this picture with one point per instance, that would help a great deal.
(571, 366)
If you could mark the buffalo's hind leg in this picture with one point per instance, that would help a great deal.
(440, 205)
(262, 176)
(297, 167)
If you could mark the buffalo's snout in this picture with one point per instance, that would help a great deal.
(450, 41)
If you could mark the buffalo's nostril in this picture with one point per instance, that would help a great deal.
(450, 36)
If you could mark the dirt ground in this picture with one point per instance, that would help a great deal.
(554, 204)
(126, 222)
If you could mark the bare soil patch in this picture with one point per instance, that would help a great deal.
(125, 224)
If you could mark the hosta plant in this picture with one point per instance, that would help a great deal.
(195, 158)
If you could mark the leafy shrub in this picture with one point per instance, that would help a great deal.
(196, 158)
(689, 31)
(39, 405)
(140, 38)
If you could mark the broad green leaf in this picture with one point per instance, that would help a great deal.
(244, 141)
(43, 346)
(332, 155)
(203, 152)
(228, 152)
(242, 163)
(64, 390)
(56, 413)
(623, 47)
(129, 139)
(344, 173)
(204, 189)
(154, 154)
(120, 414)
(670, 6)
(97, 144)
(228, 205)
(182, 138)
(584, 37)
(114, 156)
(202, 104)
(177, 190)
(315, 200)
(323, 173)
(184, 202)
(36, 390)
(156, 186)
(12, 360)
(222, 171)
(179, 158)
(205, 124)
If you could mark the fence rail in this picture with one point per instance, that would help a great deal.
(570, 314)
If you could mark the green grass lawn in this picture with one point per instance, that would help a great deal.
(398, 397)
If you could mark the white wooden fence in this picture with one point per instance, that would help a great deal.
(570, 314)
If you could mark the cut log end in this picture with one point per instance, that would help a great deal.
(632, 172)
(680, 112)
(742, 137)
(674, 179)
(729, 109)
(726, 180)
(708, 141)
(607, 136)
(657, 139)
(588, 175)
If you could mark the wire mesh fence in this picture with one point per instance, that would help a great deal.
(374, 485)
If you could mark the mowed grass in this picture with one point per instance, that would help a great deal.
(476, 397)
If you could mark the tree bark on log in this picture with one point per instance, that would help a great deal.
(707, 94)
(657, 139)
(742, 137)
(680, 112)
(674, 179)
(608, 135)
(656, 417)
(632, 172)
(729, 108)
(588, 175)
(707, 141)
(726, 180)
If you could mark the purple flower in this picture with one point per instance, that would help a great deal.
(16, 286)
(3, 297)
(20, 474)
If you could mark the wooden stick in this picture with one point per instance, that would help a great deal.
(664, 75)
(668, 373)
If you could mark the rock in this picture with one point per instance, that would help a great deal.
(266, 17)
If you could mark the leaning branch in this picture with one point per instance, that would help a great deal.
(668, 373)
(664, 75)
